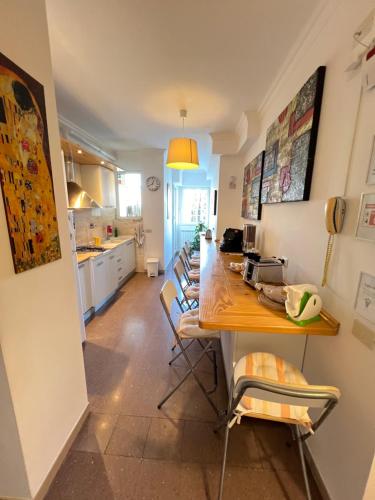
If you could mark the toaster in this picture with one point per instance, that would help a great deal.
(266, 270)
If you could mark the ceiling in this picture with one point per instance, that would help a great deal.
(124, 68)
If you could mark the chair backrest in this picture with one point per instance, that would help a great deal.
(184, 261)
(186, 255)
(181, 276)
(168, 294)
(180, 272)
(310, 396)
(187, 248)
(313, 396)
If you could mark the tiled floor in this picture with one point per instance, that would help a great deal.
(128, 449)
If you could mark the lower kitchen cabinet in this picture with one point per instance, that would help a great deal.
(85, 285)
(130, 256)
(108, 271)
(101, 283)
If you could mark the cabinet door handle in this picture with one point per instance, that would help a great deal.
(81, 265)
(111, 257)
(100, 263)
(119, 269)
(120, 278)
(129, 243)
(119, 260)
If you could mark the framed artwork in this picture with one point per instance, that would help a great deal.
(366, 218)
(25, 170)
(365, 301)
(371, 167)
(252, 183)
(291, 143)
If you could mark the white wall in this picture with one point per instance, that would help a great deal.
(229, 200)
(370, 487)
(343, 448)
(149, 162)
(39, 334)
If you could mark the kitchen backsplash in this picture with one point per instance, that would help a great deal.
(93, 222)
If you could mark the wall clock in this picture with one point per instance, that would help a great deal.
(153, 183)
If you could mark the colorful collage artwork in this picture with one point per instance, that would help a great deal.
(25, 169)
(290, 145)
(251, 206)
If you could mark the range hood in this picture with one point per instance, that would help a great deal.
(77, 196)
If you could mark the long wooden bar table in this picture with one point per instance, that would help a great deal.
(228, 304)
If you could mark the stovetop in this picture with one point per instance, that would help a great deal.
(89, 248)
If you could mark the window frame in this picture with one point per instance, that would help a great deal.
(118, 216)
(203, 188)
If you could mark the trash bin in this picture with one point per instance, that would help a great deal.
(152, 266)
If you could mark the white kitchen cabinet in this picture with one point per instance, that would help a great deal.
(99, 182)
(117, 267)
(130, 251)
(101, 279)
(84, 278)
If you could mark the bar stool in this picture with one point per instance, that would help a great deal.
(193, 253)
(192, 261)
(188, 329)
(268, 387)
(192, 274)
(189, 292)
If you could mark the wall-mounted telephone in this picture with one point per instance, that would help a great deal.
(335, 213)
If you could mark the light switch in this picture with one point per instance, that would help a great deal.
(364, 334)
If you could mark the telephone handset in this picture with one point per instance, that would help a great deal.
(335, 213)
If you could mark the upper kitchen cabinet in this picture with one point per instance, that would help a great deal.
(93, 174)
(100, 183)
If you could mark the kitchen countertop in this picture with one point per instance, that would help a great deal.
(108, 245)
(227, 303)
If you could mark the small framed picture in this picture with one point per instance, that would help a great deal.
(365, 301)
(371, 167)
(366, 218)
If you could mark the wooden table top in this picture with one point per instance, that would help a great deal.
(226, 302)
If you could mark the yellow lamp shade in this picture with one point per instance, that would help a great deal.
(183, 154)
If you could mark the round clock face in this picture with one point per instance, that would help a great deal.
(153, 183)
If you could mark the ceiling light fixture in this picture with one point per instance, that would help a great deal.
(182, 151)
(79, 151)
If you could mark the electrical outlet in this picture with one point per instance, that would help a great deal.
(364, 334)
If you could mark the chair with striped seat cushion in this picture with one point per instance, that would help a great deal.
(269, 366)
(268, 387)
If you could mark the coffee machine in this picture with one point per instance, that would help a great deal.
(248, 239)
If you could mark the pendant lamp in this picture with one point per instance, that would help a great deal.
(182, 151)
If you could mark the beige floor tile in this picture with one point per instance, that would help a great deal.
(129, 436)
(95, 433)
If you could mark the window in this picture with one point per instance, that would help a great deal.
(194, 206)
(129, 194)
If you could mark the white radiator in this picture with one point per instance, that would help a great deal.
(185, 234)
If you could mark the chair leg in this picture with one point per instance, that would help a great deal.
(303, 463)
(221, 487)
(179, 354)
(190, 371)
